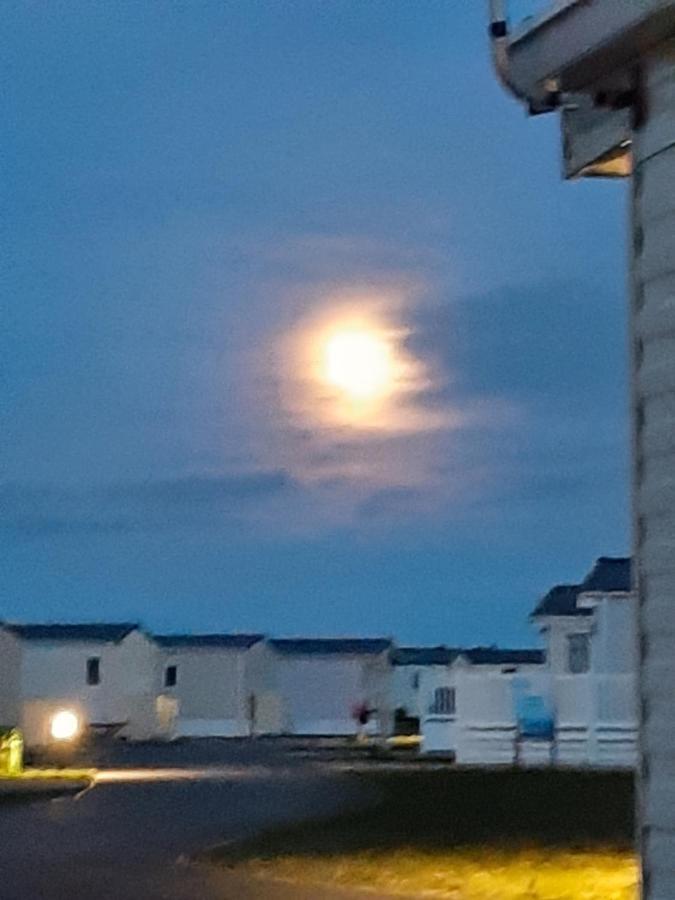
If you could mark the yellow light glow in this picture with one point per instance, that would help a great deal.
(65, 725)
(360, 363)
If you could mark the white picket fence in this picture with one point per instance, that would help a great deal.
(595, 716)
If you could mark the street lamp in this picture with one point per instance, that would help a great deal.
(608, 66)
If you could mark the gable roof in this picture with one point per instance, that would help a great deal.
(224, 641)
(561, 600)
(499, 656)
(609, 574)
(330, 646)
(424, 656)
(477, 656)
(98, 632)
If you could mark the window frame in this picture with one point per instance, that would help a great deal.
(578, 656)
(444, 702)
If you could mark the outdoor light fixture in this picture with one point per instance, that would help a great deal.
(64, 725)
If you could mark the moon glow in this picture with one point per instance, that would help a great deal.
(359, 362)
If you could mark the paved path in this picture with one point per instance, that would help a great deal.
(124, 839)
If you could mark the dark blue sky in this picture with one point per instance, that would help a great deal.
(190, 187)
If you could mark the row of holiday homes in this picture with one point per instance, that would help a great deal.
(574, 701)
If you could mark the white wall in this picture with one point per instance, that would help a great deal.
(486, 710)
(10, 677)
(210, 690)
(556, 631)
(613, 732)
(127, 690)
(439, 732)
(319, 693)
(653, 383)
(404, 694)
(614, 640)
(483, 728)
(597, 712)
(259, 681)
(214, 689)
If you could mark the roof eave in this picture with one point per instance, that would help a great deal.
(590, 599)
(577, 43)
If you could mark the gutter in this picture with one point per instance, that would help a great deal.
(549, 99)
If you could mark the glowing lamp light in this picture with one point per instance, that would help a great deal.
(360, 363)
(65, 725)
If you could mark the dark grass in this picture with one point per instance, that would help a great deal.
(18, 798)
(432, 810)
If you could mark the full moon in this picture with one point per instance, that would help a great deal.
(347, 365)
(360, 363)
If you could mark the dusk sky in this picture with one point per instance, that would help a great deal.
(199, 198)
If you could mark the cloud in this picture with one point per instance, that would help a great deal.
(324, 258)
(48, 526)
(536, 377)
(395, 502)
(201, 489)
(558, 342)
(44, 511)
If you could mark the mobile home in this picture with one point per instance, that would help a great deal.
(324, 684)
(102, 673)
(217, 681)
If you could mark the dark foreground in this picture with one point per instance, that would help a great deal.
(441, 808)
(127, 839)
(460, 833)
(130, 838)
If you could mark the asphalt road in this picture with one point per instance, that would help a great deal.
(127, 838)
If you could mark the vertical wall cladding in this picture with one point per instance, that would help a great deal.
(653, 352)
(10, 679)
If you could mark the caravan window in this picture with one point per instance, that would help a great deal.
(444, 702)
(578, 654)
(94, 670)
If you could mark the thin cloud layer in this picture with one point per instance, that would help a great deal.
(195, 501)
(242, 175)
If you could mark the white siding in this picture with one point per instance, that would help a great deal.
(318, 693)
(483, 729)
(486, 711)
(218, 687)
(406, 689)
(596, 712)
(653, 330)
(10, 675)
(558, 630)
(57, 671)
(440, 733)
(259, 682)
(211, 690)
(615, 642)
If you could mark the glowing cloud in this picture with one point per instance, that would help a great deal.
(346, 366)
(353, 401)
(360, 363)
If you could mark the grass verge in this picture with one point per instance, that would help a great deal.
(33, 784)
(54, 775)
(465, 835)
